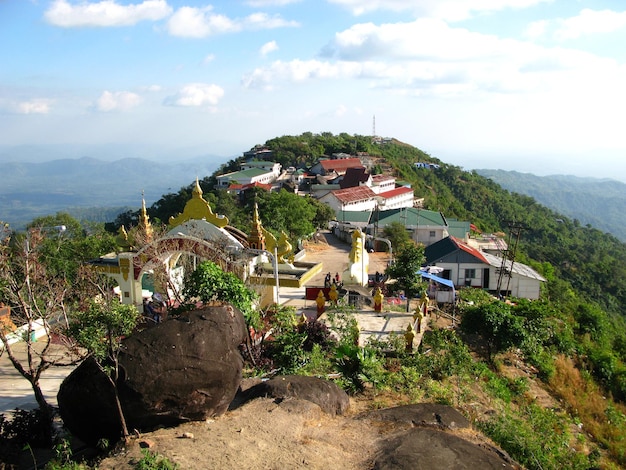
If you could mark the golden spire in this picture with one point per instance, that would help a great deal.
(197, 208)
(144, 221)
(197, 190)
(256, 239)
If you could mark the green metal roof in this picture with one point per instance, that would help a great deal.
(410, 217)
(353, 216)
(249, 173)
(458, 228)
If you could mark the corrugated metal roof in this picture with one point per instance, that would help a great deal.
(518, 268)
(412, 217)
(377, 179)
(340, 165)
(360, 193)
(395, 192)
(249, 173)
(360, 217)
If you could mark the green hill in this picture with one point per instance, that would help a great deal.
(596, 202)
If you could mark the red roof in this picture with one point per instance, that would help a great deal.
(241, 187)
(396, 192)
(468, 249)
(340, 165)
(382, 178)
(358, 193)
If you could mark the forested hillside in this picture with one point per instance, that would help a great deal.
(596, 202)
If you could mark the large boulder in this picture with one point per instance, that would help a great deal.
(421, 415)
(330, 398)
(424, 448)
(187, 368)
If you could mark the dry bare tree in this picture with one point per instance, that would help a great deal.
(37, 302)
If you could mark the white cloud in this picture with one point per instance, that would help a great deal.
(196, 94)
(428, 57)
(452, 10)
(270, 3)
(152, 88)
(537, 29)
(299, 71)
(117, 101)
(590, 22)
(105, 13)
(265, 21)
(203, 22)
(199, 23)
(34, 106)
(268, 48)
(208, 59)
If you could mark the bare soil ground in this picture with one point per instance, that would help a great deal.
(264, 434)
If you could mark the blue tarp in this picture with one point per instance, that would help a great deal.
(440, 280)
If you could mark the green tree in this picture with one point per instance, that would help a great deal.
(66, 244)
(100, 329)
(286, 211)
(398, 235)
(404, 270)
(496, 324)
(209, 282)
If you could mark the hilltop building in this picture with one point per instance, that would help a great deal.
(469, 267)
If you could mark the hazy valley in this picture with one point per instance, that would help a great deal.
(592, 201)
(92, 189)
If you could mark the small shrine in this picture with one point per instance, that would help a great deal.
(357, 271)
(194, 235)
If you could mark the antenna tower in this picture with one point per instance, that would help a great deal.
(374, 126)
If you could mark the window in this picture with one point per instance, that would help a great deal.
(470, 274)
(432, 234)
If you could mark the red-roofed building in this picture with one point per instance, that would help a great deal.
(359, 198)
(335, 167)
(382, 183)
(236, 188)
(395, 199)
(466, 266)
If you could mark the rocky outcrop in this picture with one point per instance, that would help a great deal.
(424, 448)
(422, 415)
(184, 369)
(330, 398)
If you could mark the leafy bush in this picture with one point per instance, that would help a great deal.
(209, 282)
(344, 325)
(538, 439)
(153, 461)
(358, 366)
(24, 428)
(316, 333)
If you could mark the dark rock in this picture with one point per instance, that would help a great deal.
(423, 448)
(330, 398)
(422, 414)
(171, 373)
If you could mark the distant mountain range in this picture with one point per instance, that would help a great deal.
(592, 201)
(94, 189)
(91, 186)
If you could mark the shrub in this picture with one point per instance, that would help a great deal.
(24, 428)
(538, 439)
(153, 461)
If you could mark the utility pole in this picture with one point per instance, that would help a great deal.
(515, 231)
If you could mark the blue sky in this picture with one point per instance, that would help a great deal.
(528, 85)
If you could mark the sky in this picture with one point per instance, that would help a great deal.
(536, 86)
